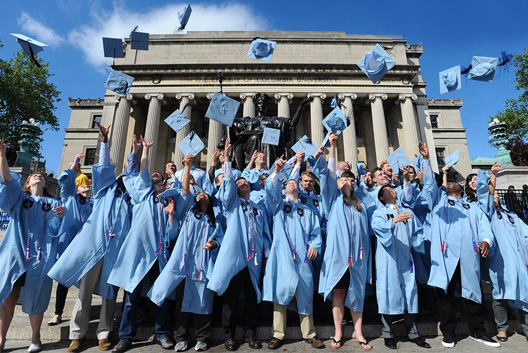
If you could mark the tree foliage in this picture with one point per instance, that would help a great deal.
(25, 93)
(516, 113)
(518, 152)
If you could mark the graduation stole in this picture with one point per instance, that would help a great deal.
(202, 243)
(350, 226)
(398, 210)
(287, 209)
(27, 204)
(251, 212)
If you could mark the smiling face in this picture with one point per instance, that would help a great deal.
(307, 182)
(243, 187)
(158, 186)
(261, 158)
(473, 183)
(83, 190)
(292, 187)
(35, 179)
(380, 178)
(388, 196)
(387, 169)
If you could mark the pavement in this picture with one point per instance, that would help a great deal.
(515, 344)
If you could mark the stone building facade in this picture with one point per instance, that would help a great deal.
(181, 69)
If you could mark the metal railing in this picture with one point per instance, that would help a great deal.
(516, 201)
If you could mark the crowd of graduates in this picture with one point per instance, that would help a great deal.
(262, 232)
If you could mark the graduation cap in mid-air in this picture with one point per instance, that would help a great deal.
(183, 16)
(30, 46)
(305, 145)
(450, 80)
(119, 82)
(113, 48)
(453, 158)
(483, 68)
(139, 40)
(222, 109)
(191, 144)
(177, 120)
(334, 122)
(261, 49)
(398, 160)
(376, 63)
(271, 136)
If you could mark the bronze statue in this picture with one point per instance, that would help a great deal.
(246, 133)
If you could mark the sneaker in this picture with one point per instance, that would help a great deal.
(448, 342)
(181, 346)
(200, 346)
(487, 341)
(35, 347)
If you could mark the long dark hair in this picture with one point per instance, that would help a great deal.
(471, 194)
(353, 199)
(210, 211)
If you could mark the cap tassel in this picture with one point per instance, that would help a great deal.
(443, 245)
(350, 262)
(27, 253)
(111, 235)
(251, 255)
(159, 248)
(294, 255)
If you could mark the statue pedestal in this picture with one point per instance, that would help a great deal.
(516, 176)
(503, 157)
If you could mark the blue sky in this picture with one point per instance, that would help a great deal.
(451, 32)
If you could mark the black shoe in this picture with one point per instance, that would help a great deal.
(253, 342)
(486, 340)
(122, 346)
(420, 342)
(165, 343)
(390, 343)
(230, 344)
(275, 343)
(502, 338)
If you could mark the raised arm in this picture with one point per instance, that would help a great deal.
(332, 161)
(131, 166)
(493, 178)
(274, 186)
(143, 164)
(187, 162)
(104, 154)
(4, 167)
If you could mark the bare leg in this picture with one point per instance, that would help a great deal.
(36, 322)
(7, 310)
(338, 311)
(357, 318)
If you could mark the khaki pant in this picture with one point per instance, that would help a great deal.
(279, 323)
(81, 311)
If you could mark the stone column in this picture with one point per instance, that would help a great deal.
(152, 128)
(316, 117)
(426, 131)
(119, 135)
(184, 98)
(284, 100)
(410, 130)
(349, 135)
(379, 126)
(216, 130)
(249, 104)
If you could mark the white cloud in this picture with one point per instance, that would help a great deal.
(120, 21)
(38, 30)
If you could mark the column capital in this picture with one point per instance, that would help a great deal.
(320, 95)
(279, 95)
(210, 95)
(373, 96)
(128, 97)
(342, 96)
(148, 96)
(179, 96)
(243, 95)
(404, 96)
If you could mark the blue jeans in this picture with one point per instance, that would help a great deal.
(128, 327)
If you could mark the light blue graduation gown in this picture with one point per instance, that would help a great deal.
(200, 177)
(456, 230)
(29, 245)
(396, 290)
(347, 243)
(191, 262)
(288, 270)
(508, 264)
(101, 237)
(77, 208)
(246, 241)
(149, 236)
(252, 176)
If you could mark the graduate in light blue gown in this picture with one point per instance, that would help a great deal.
(296, 243)
(200, 177)
(145, 252)
(255, 168)
(508, 264)
(76, 201)
(188, 272)
(347, 263)
(28, 248)
(460, 235)
(238, 266)
(100, 239)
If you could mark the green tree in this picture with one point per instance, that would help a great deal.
(516, 113)
(25, 93)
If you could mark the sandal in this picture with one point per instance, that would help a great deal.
(364, 345)
(335, 344)
(57, 319)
